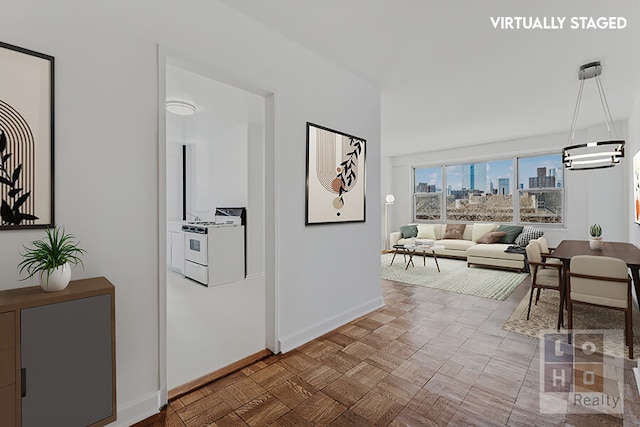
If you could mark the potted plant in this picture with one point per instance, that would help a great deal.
(595, 242)
(51, 259)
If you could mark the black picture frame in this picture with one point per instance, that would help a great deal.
(26, 139)
(335, 177)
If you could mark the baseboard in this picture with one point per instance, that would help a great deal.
(296, 340)
(254, 276)
(132, 412)
(206, 379)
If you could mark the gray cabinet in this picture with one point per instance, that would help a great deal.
(63, 355)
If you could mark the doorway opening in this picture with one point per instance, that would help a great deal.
(216, 157)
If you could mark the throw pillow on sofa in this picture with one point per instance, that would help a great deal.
(480, 230)
(426, 231)
(491, 237)
(409, 231)
(528, 233)
(454, 231)
(512, 231)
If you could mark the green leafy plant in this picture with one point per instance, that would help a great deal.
(45, 255)
(595, 230)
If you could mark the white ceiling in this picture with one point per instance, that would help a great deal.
(448, 78)
(220, 107)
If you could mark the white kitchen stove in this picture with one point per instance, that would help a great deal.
(215, 250)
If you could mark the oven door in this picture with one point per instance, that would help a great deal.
(195, 248)
(197, 272)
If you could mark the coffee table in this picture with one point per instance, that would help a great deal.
(412, 249)
(396, 250)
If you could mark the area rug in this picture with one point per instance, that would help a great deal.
(544, 317)
(454, 276)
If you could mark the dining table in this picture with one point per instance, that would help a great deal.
(627, 252)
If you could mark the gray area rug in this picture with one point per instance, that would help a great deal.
(454, 276)
(544, 316)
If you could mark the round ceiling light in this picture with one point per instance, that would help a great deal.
(181, 108)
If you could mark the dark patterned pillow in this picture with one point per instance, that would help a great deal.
(528, 233)
(512, 231)
(409, 231)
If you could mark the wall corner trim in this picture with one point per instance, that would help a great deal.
(295, 340)
(130, 413)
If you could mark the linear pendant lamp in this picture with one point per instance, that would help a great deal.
(593, 155)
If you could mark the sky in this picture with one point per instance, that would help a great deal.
(495, 169)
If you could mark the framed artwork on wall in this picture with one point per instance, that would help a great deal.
(335, 190)
(636, 188)
(26, 138)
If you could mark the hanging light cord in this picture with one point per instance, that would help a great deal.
(607, 113)
(572, 132)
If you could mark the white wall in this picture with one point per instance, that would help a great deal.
(106, 172)
(229, 168)
(174, 181)
(596, 196)
(217, 174)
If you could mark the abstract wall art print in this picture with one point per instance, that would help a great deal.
(26, 138)
(335, 176)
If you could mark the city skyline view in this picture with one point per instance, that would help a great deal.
(494, 170)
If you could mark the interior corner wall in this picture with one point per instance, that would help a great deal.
(597, 196)
(106, 164)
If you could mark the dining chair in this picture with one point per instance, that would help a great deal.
(545, 251)
(543, 276)
(604, 282)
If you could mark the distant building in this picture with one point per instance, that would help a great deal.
(542, 180)
(460, 194)
(503, 187)
(557, 173)
(474, 176)
(423, 187)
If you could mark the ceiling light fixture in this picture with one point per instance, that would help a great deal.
(181, 108)
(593, 155)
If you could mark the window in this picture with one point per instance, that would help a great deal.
(484, 191)
(428, 193)
(541, 189)
(480, 192)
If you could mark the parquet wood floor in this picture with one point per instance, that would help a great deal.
(428, 358)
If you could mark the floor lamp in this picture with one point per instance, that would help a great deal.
(388, 201)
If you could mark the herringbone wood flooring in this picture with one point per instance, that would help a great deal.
(429, 357)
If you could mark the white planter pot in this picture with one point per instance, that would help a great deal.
(58, 278)
(596, 243)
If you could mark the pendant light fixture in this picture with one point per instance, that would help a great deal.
(593, 155)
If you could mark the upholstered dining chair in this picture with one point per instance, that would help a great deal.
(604, 282)
(543, 276)
(545, 251)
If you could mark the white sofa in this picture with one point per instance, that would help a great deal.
(488, 255)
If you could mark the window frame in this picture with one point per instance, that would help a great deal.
(514, 185)
(416, 194)
(561, 190)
